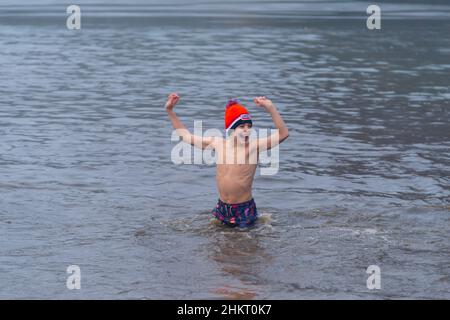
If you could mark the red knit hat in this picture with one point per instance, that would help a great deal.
(235, 115)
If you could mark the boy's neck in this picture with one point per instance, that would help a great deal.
(236, 142)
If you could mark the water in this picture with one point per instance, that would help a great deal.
(85, 170)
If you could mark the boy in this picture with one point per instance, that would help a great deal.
(235, 206)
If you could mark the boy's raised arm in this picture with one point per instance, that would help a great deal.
(283, 132)
(182, 131)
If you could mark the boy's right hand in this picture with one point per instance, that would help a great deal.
(172, 100)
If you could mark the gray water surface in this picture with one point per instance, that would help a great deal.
(85, 171)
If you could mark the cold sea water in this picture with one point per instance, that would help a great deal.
(86, 176)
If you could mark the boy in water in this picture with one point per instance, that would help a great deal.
(236, 157)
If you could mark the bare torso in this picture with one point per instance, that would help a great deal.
(234, 176)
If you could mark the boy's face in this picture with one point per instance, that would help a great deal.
(242, 132)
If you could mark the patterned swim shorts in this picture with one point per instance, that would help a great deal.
(236, 215)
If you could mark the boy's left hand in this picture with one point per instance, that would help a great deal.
(263, 102)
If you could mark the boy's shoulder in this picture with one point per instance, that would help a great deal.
(214, 142)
